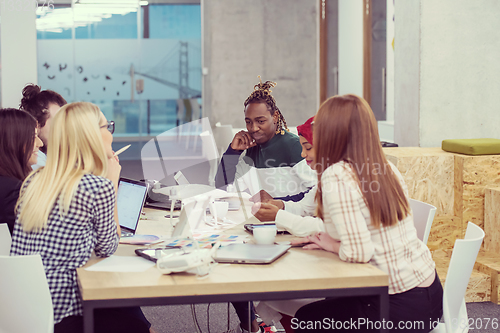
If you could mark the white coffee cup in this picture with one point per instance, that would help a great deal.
(264, 234)
(234, 202)
(221, 209)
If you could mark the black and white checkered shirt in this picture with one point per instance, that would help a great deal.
(66, 243)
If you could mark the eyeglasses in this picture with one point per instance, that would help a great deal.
(110, 126)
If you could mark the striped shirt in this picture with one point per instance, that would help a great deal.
(396, 249)
(67, 242)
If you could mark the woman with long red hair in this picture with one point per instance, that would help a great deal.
(363, 199)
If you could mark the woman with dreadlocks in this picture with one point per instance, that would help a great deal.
(268, 147)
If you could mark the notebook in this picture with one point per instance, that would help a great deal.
(250, 253)
(130, 200)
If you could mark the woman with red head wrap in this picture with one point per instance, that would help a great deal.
(296, 217)
(305, 130)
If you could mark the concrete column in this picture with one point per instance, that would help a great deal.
(407, 73)
(351, 47)
(18, 51)
(275, 39)
(447, 74)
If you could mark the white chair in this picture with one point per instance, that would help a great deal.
(5, 239)
(461, 264)
(223, 135)
(209, 151)
(26, 304)
(423, 215)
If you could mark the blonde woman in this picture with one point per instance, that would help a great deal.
(67, 209)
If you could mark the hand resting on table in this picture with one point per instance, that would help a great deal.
(318, 241)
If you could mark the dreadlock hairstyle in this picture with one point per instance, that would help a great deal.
(262, 94)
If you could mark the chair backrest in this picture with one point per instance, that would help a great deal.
(423, 215)
(461, 264)
(5, 239)
(223, 135)
(26, 304)
(209, 151)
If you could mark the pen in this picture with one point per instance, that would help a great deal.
(122, 150)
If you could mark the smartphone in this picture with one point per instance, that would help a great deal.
(154, 254)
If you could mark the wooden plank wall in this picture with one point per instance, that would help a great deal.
(456, 184)
(492, 220)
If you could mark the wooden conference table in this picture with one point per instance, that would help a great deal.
(297, 274)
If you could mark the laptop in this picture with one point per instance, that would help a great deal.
(164, 204)
(250, 253)
(164, 201)
(158, 200)
(130, 201)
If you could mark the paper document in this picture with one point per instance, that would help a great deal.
(141, 240)
(121, 264)
(205, 240)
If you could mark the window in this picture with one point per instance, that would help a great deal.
(139, 64)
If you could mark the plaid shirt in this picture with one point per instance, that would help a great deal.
(66, 243)
(396, 249)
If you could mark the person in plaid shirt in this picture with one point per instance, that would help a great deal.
(67, 209)
(363, 200)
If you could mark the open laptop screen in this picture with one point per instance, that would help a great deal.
(130, 200)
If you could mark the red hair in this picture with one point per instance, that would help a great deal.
(345, 129)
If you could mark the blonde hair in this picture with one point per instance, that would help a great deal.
(75, 148)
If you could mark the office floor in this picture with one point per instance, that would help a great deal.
(483, 313)
(179, 319)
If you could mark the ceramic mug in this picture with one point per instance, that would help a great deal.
(264, 234)
(221, 209)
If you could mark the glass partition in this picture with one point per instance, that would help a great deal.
(139, 62)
